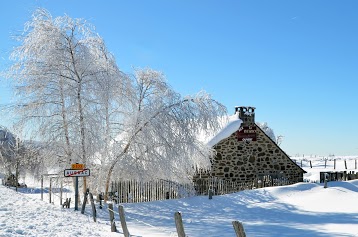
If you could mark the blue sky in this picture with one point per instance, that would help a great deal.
(296, 61)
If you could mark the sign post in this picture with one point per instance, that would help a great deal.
(76, 194)
(77, 170)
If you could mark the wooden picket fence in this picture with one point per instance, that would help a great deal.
(126, 191)
(220, 186)
(140, 191)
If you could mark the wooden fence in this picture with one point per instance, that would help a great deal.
(220, 187)
(339, 163)
(337, 176)
(140, 191)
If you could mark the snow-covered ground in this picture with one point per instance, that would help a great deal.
(303, 209)
(325, 164)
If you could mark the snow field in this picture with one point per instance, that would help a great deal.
(303, 209)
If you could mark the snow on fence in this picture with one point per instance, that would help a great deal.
(141, 191)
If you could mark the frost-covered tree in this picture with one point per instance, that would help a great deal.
(279, 139)
(59, 67)
(159, 133)
(86, 110)
(112, 96)
(7, 149)
(269, 131)
(16, 155)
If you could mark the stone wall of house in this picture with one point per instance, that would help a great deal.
(238, 160)
(242, 162)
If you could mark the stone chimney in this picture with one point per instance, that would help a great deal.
(246, 114)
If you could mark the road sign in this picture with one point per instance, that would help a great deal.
(76, 173)
(77, 166)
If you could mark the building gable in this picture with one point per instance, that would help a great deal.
(241, 160)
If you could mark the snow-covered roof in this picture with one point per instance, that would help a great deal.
(232, 126)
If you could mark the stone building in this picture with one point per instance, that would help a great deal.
(244, 152)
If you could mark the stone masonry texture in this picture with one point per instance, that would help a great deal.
(240, 161)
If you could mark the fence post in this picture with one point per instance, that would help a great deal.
(84, 201)
(239, 229)
(42, 187)
(100, 197)
(111, 217)
(94, 212)
(325, 180)
(61, 189)
(311, 164)
(123, 221)
(179, 224)
(68, 201)
(210, 192)
(50, 190)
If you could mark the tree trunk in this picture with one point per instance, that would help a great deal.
(110, 171)
(82, 132)
(108, 180)
(79, 81)
(65, 125)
